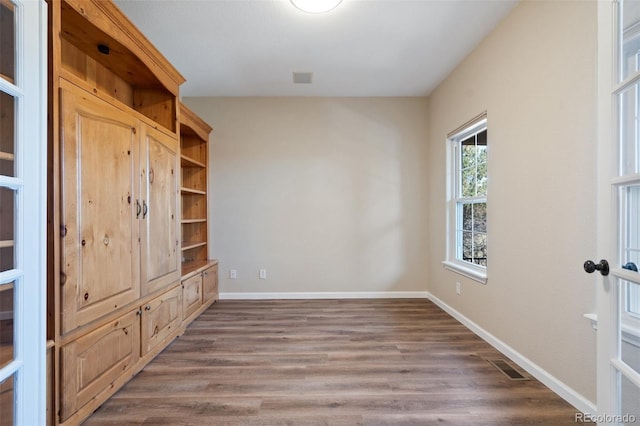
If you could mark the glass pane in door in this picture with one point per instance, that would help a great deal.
(7, 229)
(629, 402)
(7, 135)
(629, 128)
(6, 324)
(6, 402)
(630, 220)
(630, 324)
(7, 41)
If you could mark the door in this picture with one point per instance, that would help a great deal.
(160, 197)
(210, 284)
(160, 319)
(618, 292)
(91, 363)
(22, 212)
(100, 181)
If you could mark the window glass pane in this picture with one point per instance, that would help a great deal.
(630, 210)
(480, 217)
(481, 171)
(6, 324)
(7, 135)
(480, 249)
(6, 402)
(7, 41)
(468, 182)
(629, 406)
(7, 231)
(467, 246)
(467, 217)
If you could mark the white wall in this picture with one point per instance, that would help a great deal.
(326, 194)
(535, 77)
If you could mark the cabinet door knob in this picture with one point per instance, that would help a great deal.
(147, 308)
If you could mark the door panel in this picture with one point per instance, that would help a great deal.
(92, 362)
(191, 295)
(160, 227)
(100, 184)
(210, 284)
(618, 204)
(160, 318)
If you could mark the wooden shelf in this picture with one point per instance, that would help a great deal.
(190, 162)
(189, 246)
(189, 267)
(6, 156)
(193, 220)
(6, 243)
(192, 191)
(7, 78)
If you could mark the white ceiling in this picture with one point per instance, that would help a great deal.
(361, 48)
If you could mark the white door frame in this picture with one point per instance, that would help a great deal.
(30, 89)
(609, 364)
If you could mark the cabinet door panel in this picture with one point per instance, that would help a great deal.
(210, 284)
(191, 295)
(160, 318)
(100, 182)
(160, 234)
(92, 362)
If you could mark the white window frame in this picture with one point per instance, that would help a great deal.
(454, 261)
(29, 276)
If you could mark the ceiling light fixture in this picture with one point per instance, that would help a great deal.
(316, 6)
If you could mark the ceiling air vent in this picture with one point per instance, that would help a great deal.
(302, 77)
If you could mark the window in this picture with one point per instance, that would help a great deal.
(467, 206)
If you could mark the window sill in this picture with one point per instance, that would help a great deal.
(469, 272)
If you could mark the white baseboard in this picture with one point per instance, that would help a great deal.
(565, 392)
(328, 295)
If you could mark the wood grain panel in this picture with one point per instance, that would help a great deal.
(210, 284)
(100, 181)
(160, 226)
(160, 319)
(92, 362)
(191, 295)
(344, 362)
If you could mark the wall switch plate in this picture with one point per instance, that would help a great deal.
(458, 288)
(233, 274)
(263, 274)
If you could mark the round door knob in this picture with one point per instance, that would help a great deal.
(603, 267)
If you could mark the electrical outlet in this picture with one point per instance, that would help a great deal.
(233, 274)
(263, 274)
(458, 288)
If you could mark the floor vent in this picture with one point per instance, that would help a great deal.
(505, 368)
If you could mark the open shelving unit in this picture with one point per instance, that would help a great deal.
(194, 139)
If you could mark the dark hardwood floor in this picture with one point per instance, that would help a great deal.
(330, 362)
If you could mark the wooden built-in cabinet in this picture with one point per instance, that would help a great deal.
(127, 207)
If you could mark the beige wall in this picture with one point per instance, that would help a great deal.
(326, 194)
(535, 77)
(348, 195)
